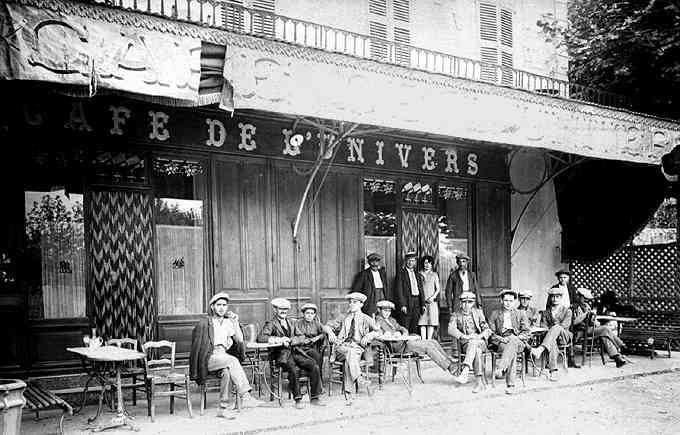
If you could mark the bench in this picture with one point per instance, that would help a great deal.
(651, 338)
(40, 399)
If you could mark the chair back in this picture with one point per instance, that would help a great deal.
(128, 343)
(156, 358)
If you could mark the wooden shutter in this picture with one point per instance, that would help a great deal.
(378, 7)
(506, 69)
(232, 16)
(489, 70)
(402, 53)
(401, 10)
(488, 22)
(506, 28)
(496, 43)
(263, 21)
(378, 33)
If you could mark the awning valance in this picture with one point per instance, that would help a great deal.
(93, 56)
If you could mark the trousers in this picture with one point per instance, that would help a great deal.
(508, 360)
(432, 349)
(473, 354)
(550, 343)
(611, 342)
(349, 353)
(221, 360)
(308, 365)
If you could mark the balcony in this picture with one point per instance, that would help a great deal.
(265, 24)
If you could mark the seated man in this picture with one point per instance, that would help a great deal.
(291, 355)
(533, 315)
(557, 319)
(469, 327)
(584, 321)
(315, 334)
(355, 332)
(211, 339)
(509, 334)
(389, 326)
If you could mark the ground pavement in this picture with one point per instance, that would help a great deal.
(639, 398)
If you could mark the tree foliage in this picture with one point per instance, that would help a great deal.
(626, 47)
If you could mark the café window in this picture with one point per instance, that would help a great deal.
(180, 190)
(454, 226)
(380, 221)
(54, 257)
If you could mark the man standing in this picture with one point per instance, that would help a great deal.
(409, 293)
(355, 332)
(372, 282)
(291, 355)
(469, 327)
(214, 341)
(533, 315)
(557, 319)
(585, 322)
(389, 326)
(510, 332)
(462, 280)
(566, 287)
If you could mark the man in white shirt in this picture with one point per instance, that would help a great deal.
(461, 280)
(409, 293)
(566, 287)
(372, 282)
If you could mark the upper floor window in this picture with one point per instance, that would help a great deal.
(389, 21)
(496, 43)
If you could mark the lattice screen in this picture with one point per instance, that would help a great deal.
(611, 274)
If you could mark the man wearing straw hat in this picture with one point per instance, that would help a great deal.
(585, 321)
(510, 332)
(469, 327)
(214, 342)
(291, 356)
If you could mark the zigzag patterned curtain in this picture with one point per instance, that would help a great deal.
(121, 251)
(419, 232)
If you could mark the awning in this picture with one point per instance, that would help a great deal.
(93, 56)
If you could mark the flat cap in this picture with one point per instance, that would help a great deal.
(385, 304)
(374, 257)
(462, 256)
(555, 291)
(357, 297)
(467, 296)
(281, 303)
(410, 254)
(309, 306)
(218, 296)
(562, 272)
(507, 291)
(526, 294)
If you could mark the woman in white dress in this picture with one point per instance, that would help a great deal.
(431, 287)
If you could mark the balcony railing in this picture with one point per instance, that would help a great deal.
(236, 18)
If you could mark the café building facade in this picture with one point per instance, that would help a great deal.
(142, 184)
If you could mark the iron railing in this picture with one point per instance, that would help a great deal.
(266, 24)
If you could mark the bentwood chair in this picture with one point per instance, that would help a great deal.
(337, 373)
(132, 369)
(461, 358)
(520, 366)
(160, 371)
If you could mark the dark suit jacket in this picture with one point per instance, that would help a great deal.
(519, 320)
(274, 328)
(457, 327)
(402, 292)
(364, 284)
(201, 348)
(454, 287)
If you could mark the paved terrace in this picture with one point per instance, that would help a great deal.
(439, 391)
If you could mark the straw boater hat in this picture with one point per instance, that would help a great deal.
(562, 272)
(507, 291)
(374, 257)
(462, 256)
(218, 296)
(467, 296)
(357, 297)
(385, 304)
(555, 291)
(281, 303)
(410, 254)
(585, 292)
(309, 306)
(525, 294)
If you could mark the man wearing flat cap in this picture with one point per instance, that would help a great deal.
(557, 318)
(291, 356)
(566, 287)
(468, 326)
(372, 282)
(408, 290)
(461, 280)
(354, 333)
(314, 332)
(217, 346)
(585, 322)
(532, 313)
(510, 332)
(390, 327)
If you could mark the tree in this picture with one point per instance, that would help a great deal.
(626, 47)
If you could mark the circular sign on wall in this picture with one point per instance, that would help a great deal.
(528, 169)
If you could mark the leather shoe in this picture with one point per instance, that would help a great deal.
(620, 362)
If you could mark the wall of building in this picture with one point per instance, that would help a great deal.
(535, 251)
(448, 26)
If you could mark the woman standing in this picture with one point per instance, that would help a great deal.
(430, 318)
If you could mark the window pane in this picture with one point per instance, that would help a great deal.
(179, 189)
(453, 227)
(380, 222)
(56, 253)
